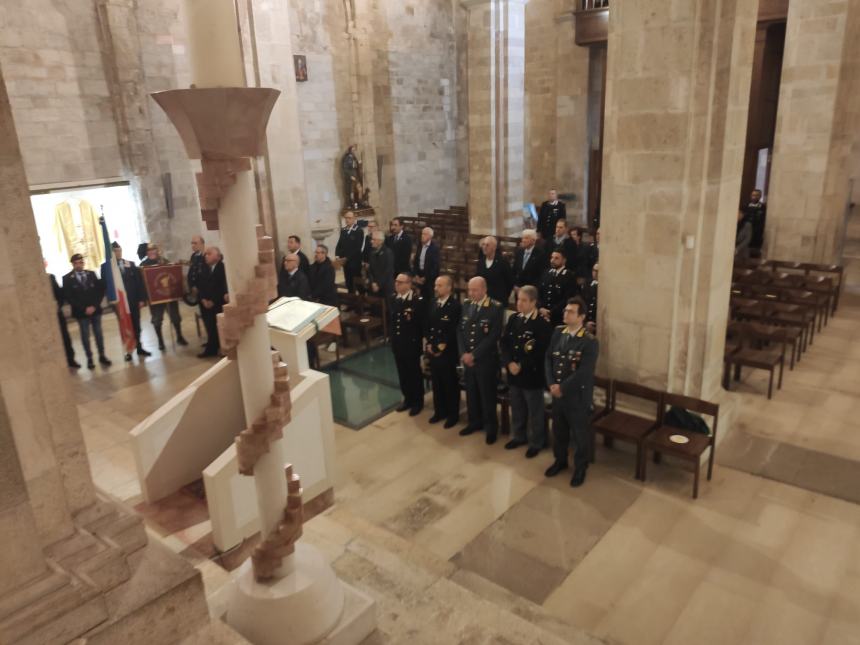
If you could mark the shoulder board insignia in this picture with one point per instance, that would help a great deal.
(581, 333)
(495, 303)
(560, 326)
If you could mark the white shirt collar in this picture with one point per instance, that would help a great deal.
(407, 296)
(441, 302)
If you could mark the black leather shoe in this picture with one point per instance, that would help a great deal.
(181, 341)
(435, 419)
(104, 361)
(402, 407)
(513, 444)
(142, 352)
(465, 432)
(531, 453)
(450, 423)
(578, 478)
(128, 358)
(74, 364)
(90, 364)
(490, 439)
(555, 469)
(416, 410)
(207, 355)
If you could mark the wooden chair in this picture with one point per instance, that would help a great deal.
(599, 409)
(356, 314)
(324, 339)
(753, 352)
(624, 426)
(660, 441)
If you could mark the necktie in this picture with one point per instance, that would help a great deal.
(80, 277)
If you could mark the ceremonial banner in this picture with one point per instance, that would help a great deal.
(164, 283)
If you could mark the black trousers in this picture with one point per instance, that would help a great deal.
(408, 363)
(134, 310)
(210, 322)
(570, 430)
(351, 274)
(481, 383)
(67, 340)
(446, 388)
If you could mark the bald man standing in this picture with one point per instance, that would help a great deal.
(478, 337)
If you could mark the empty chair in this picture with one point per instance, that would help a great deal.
(758, 350)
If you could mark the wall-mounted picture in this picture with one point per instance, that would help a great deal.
(300, 62)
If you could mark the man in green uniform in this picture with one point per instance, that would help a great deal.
(570, 362)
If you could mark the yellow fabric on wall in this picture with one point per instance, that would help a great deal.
(89, 241)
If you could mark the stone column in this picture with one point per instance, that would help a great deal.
(816, 123)
(676, 109)
(496, 37)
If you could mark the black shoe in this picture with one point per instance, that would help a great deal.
(402, 407)
(104, 361)
(161, 345)
(74, 364)
(450, 423)
(142, 352)
(465, 432)
(513, 444)
(436, 418)
(206, 355)
(181, 341)
(90, 364)
(128, 358)
(531, 453)
(490, 439)
(413, 412)
(555, 469)
(578, 478)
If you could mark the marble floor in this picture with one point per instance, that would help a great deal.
(460, 542)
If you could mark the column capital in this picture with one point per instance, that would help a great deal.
(471, 4)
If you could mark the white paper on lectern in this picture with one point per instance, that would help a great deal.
(294, 314)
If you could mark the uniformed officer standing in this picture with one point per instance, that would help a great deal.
(441, 348)
(523, 347)
(477, 338)
(407, 325)
(557, 286)
(569, 364)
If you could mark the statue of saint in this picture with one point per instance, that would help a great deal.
(353, 181)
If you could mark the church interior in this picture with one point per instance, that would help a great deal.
(376, 229)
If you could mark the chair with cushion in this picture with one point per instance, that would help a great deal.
(683, 443)
(626, 426)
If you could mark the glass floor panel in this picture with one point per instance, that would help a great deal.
(376, 364)
(358, 401)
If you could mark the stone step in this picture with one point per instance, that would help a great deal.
(46, 584)
(215, 633)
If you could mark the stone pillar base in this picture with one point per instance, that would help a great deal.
(309, 605)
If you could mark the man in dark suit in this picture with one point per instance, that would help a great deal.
(441, 348)
(561, 241)
(593, 252)
(348, 250)
(557, 286)
(323, 289)
(135, 292)
(407, 328)
(400, 244)
(523, 346)
(213, 295)
(550, 212)
(756, 214)
(64, 328)
(196, 263)
(292, 281)
(496, 272)
(294, 245)
(477, 341)
(425, 266)
(380, 267)
(84, 292)
(529, 261)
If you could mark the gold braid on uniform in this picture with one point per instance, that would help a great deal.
(244, 306)
(269, 554)
(216, 178)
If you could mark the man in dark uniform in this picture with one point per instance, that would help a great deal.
(348, 250)
(400, 244)
(64, 328)
(557, 286)
(569, 365)
(590, 297)
(380, 267)
(550, 212)
(523, 348)
(321, 276)
(756, 214)
(441, 348)
(529, 261)
(593, 253)
(154, 258)
(135, 293)
(294, 245)
(213, 294)
(407, 326)
(84, 292)
(496, 271)
(196, 263)
(477, 340)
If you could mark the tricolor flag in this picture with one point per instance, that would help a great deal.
(116, 294)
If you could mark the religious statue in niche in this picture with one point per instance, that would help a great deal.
(300, 63)
(356, 195)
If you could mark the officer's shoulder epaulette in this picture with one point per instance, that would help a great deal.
(466, 301)
(560, 326)
(495, 303)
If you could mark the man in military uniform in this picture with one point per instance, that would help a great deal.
(196, 263)
(407, 318)
(523, 347)
(557, 286)
(154, 258)
(551, 211)
(569, 366)
(477, 339)
(135, 293)
(441, 348)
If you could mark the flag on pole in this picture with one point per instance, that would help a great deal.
(116, 294)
